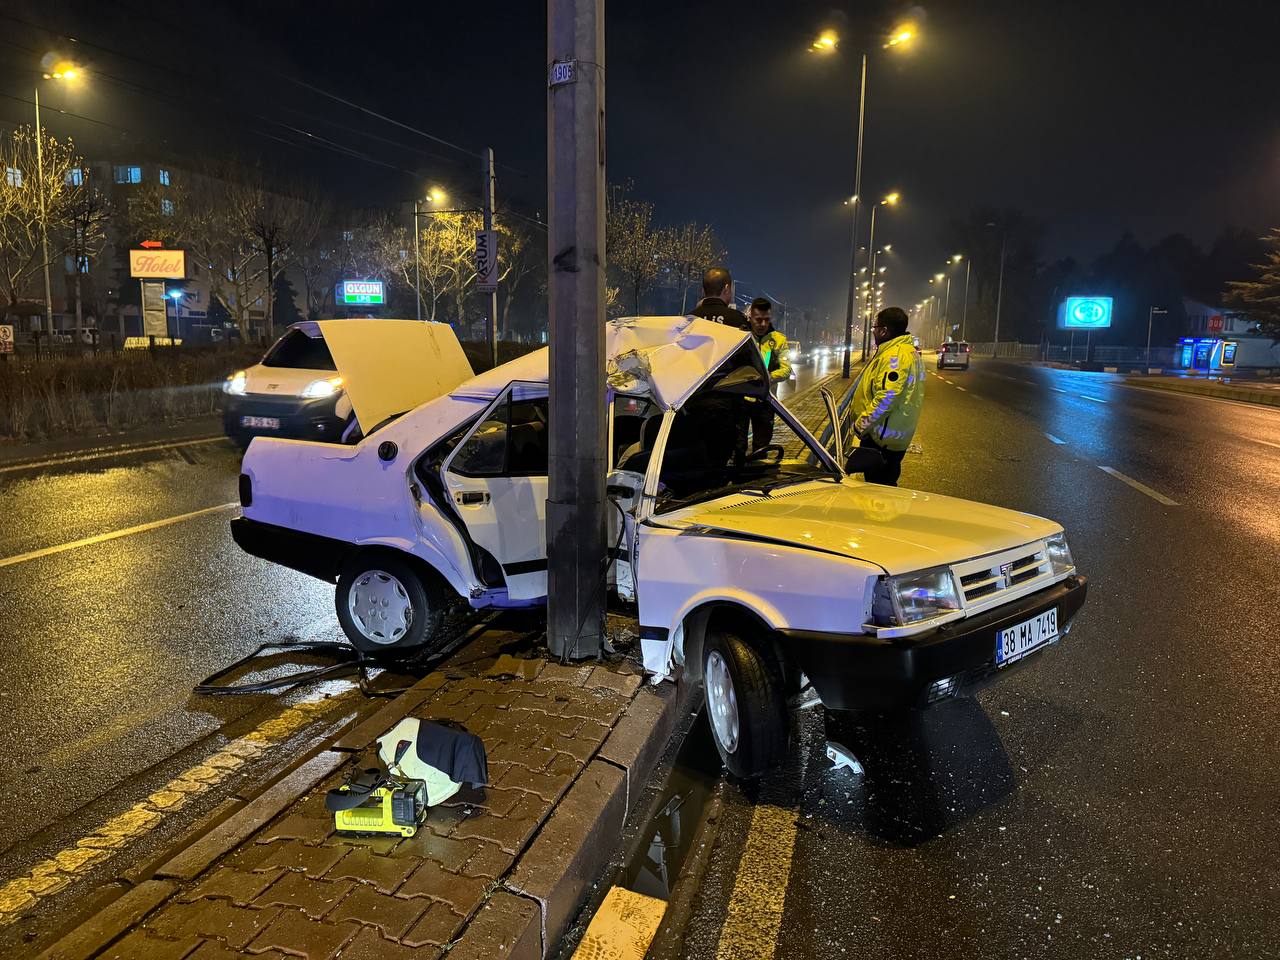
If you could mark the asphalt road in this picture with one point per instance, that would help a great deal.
(104, 640)
(1117, 798)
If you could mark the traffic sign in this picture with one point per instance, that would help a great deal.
(487, 261)
(1086, 313)
(6, 338)
(151, 244)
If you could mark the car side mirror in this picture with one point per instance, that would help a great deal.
(620, 491)
(863, 459)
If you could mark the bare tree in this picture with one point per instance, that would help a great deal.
(688, 250)
(274, 226)
(88, 213)
(30, 205)
(633, 244)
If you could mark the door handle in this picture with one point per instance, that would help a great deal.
(471, 498)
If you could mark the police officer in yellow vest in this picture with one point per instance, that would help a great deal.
(773, 351)
(886, 406)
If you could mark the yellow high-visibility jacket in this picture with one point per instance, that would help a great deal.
(774, 352)
(890, 395)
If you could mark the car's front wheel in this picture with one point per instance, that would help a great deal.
(386, 607)
(745, 705)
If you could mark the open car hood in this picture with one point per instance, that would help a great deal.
(391, 366)
(900, 530)
(664, 358)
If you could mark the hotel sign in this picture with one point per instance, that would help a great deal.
(158, 264)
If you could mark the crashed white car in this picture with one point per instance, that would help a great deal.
(751, 574)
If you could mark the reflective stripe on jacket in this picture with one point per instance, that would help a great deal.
(774, 352)
(887, 403)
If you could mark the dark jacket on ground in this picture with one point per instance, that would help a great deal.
(713, 308)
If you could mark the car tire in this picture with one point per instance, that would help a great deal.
(742, 689)
(387, 607)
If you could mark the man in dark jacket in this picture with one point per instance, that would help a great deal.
(717, 300)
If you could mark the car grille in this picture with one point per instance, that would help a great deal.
(989, 578)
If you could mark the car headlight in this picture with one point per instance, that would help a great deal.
(913, 597)
(1059, 554)
(318, 389)
(235, 383)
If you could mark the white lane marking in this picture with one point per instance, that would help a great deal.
(103, 454)
(1057, 440)
(958, 387)
(113, 535)
(1140, 487)
(1085, 396)
(1269, 443)
(1058, 390)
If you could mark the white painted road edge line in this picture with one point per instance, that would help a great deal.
(114, 535)
(1056, 440)
(1140, 487)
(1269, 443)
(1085, 396)
(103, 454)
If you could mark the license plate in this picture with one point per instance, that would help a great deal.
(262, 423)
(1026, 637)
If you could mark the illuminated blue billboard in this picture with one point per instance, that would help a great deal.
(1086, 313)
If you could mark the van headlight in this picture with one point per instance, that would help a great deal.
(912, 597)
(235, 384)
(1059, 554)
(318, 389)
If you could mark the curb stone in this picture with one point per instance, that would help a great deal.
(569, 852)
(107, 924)
(1267, 398)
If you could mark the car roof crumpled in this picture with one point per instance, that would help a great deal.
(665, 358)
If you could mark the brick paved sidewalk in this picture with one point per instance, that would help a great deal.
(493, 872)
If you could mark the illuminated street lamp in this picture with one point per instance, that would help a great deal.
(889, 201)
(66, 71)
(175, 296)
(826, 44)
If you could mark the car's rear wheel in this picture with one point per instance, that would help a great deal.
(748, 713)
(386, 607)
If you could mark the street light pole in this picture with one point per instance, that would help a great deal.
(576, 541)
(489, 185)
(44, 219)
(417, 259)
(964, 314)
(1004, 236)
(853, 235)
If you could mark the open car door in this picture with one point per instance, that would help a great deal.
(496, 478)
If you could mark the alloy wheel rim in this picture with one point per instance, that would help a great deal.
(722, 700)
(380, 607)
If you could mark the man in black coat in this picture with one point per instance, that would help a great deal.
(717, 300)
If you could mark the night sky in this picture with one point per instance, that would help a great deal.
(1093, 118)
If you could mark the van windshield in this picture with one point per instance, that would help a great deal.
(297, 351)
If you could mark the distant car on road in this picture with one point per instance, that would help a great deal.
(749, 575)
(954, 353)
(294, 392)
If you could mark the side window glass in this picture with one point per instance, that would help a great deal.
(510, 442)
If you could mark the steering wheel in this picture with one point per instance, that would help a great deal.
(759, 454)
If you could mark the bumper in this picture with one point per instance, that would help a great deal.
(307, 553)
(299, 419)
(857, 672)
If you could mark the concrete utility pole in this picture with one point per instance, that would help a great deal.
(576, 541)
(490, 188)
(44, 218)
